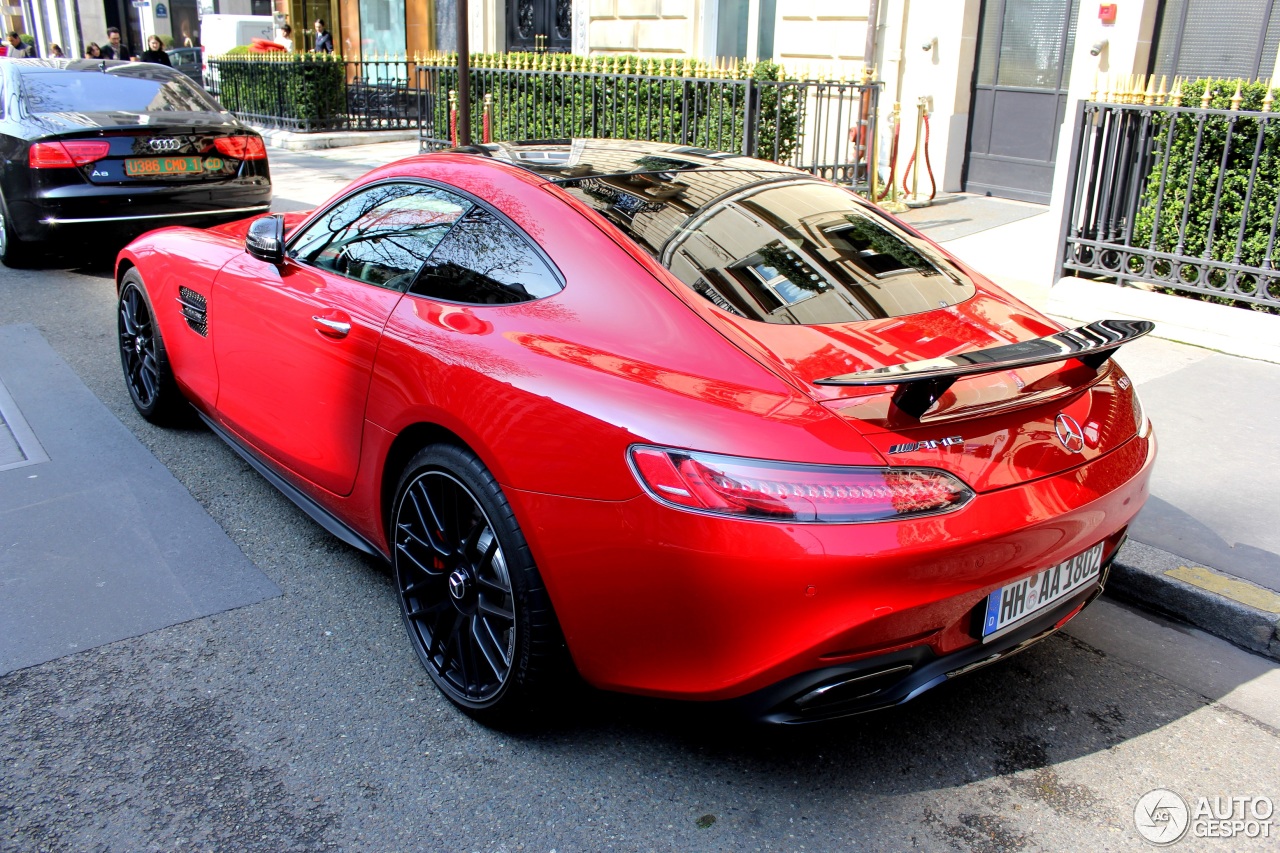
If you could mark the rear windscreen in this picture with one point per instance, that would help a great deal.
(774, 248)
(807, 253)
(132, 89)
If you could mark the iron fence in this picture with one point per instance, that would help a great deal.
(819, 126)
(315, 94)
(822, 126)
(1179, 197)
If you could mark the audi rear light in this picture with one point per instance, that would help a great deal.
(241, 147)
(793, 491)
(68, 153)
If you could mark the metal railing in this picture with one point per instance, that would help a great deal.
(315, 94)
(819, 126)
(1186, 198)
(822, 126)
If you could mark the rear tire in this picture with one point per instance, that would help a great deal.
(15, 253)
(473, 603)
(147, 374)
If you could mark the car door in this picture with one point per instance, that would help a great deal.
(296, 343)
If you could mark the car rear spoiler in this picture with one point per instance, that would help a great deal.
(921, 383)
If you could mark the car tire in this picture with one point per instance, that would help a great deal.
(15, 252)
(473, 603)
(147, 374)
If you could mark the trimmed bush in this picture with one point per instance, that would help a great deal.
(625, 97)
(309, 88)
(1209, 176)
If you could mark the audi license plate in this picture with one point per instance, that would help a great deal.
(139, 167)
(1011, 604)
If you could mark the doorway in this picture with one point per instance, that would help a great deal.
(1019, 97)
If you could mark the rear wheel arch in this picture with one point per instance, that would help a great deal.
(405, 446)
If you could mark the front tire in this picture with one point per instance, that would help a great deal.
(473, 603)
(147, 374)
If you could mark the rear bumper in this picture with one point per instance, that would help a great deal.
(677, 605)
(896, 678)
(88, 210)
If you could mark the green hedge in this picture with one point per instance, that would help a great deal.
(304, 87)
(611, 97)
(1198, 240)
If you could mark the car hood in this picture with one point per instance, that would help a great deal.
(993, 430)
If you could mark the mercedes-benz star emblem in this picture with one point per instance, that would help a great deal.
(1069, 433)
(458, 584)
(165, 144)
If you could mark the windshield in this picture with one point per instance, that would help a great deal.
(128, 88)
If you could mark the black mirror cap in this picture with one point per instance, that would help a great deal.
(265, 240)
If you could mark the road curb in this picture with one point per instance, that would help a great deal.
(1140, 574)
(291, 141)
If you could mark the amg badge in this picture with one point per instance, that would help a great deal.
(926, 445)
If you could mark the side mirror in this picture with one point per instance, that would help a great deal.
(265, 240)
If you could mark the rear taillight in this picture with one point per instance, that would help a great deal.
(241, 147)
(792, 491)
(68, 153)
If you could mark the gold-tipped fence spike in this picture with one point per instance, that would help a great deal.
(1207, 97)
(1093, 95)
(1150, 97)
(1163, 94)
(1238, 97)
(1268, 100)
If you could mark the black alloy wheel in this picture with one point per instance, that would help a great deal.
(147, 374)
(472, 600)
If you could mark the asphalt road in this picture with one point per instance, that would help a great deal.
(304, 722)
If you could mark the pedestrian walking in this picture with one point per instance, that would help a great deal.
(285, 38)
(55, 52)
(92, 51)
(155, 52)
(324, 41)
(17, 49)
(115, 48)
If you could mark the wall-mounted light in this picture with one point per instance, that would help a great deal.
(1098, 47)
(930, 44)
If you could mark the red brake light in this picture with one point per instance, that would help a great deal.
(68, 153)
(792, 491)
(241, 147)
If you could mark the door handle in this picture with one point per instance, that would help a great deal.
(335, 325)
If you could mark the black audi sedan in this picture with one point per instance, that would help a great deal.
(104, 151)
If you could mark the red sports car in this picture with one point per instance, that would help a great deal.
(697, 425)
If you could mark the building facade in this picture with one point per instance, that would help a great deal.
(998, 79)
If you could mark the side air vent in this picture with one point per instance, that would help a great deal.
(195, 310)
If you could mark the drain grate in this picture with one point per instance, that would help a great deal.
(18, 444)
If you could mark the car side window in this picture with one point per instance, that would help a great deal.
(382, 234)
(484, 261)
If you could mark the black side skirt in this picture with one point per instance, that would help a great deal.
(319, 514)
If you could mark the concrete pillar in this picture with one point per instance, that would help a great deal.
(943, 74)
(1122, 48)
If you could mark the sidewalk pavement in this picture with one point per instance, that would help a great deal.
(1205, 549)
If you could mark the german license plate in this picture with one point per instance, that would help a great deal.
(1010, 605)
(140, 167)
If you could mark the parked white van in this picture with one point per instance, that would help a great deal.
(220, 33)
